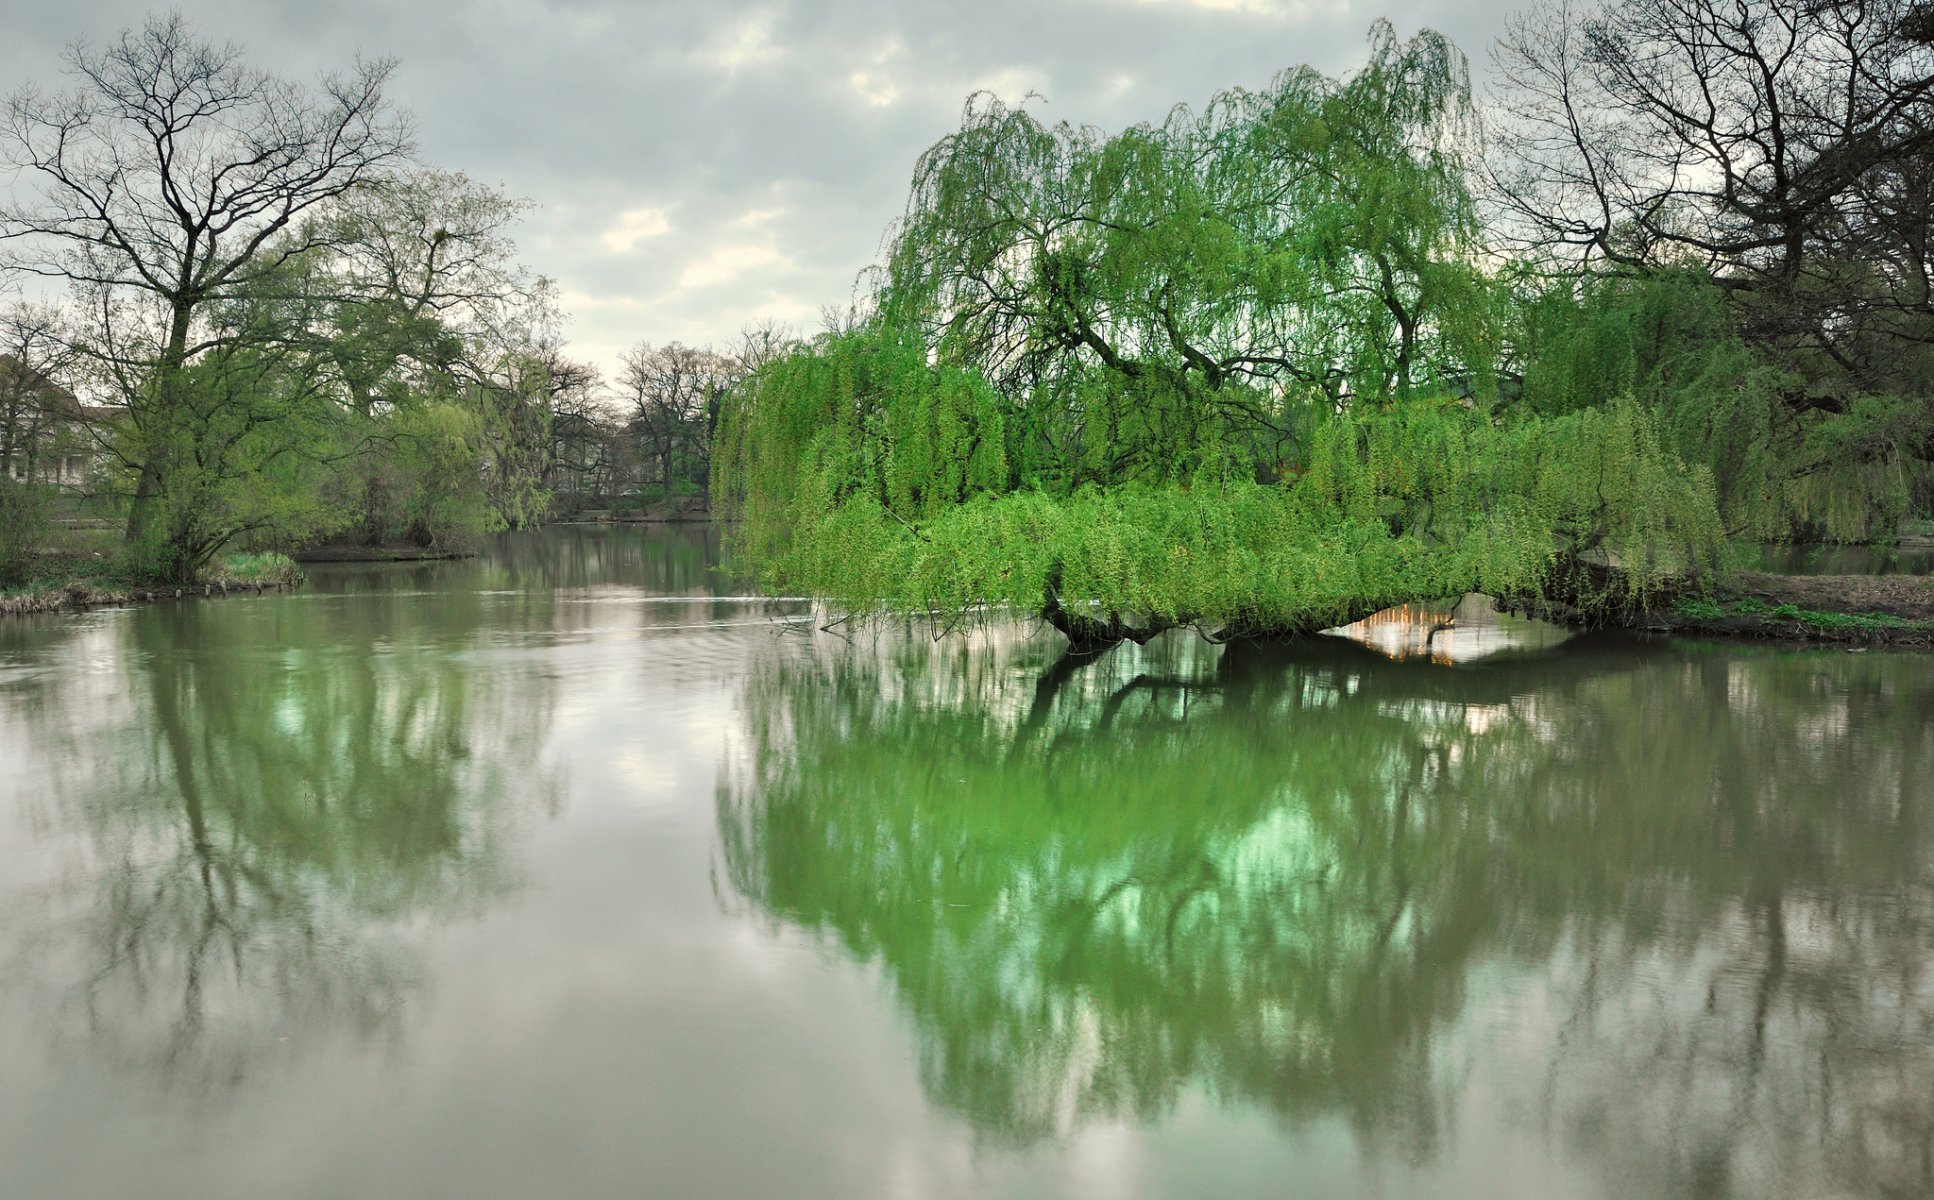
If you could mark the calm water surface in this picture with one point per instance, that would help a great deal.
(565, 873)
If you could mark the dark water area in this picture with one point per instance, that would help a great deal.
(1782, 559)
(575, 870)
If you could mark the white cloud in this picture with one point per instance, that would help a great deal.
(636, 226)
(1298, 9)
(727, 263)
(875, 81)
(575, 301)
(1011, 84)
(874, 88)
(756, 217)
(778, 306)
(743, 43)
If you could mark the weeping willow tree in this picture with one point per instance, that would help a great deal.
(1843, 465)
(1234, 370)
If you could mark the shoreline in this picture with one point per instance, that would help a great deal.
(379, 554)
(1852, 611)
(77, 596)
(1856, 611)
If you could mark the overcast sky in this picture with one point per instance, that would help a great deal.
(697, 166)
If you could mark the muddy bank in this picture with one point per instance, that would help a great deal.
(1910, 597)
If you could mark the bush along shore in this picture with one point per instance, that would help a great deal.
(79, 590)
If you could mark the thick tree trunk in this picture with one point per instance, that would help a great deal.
(154, 425)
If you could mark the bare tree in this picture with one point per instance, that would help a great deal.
(672, 396)
(174, 177)
(1784, 146)
(578, 458)
(765, 342)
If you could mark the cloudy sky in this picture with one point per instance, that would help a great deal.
(697, 165)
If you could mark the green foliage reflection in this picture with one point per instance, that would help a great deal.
(279, 806)
(1275, 873)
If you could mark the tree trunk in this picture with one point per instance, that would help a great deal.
(154, 420)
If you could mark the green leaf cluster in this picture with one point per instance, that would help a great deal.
(1792, 457)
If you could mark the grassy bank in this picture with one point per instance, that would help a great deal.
(1863, 610)
(83, 585)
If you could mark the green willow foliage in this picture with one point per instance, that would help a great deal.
(1232, 369)
(867, 476)
(1845, 470)
(1138, 299)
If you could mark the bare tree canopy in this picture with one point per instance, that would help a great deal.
(1786, 147)
(671, 396)
(173, 164)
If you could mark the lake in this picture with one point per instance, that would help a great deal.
(573, 870)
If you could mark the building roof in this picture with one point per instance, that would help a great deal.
(52, 396)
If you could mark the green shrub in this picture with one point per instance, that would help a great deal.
(23, 529)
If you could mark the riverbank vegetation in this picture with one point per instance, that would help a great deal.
(1311, 350)
(83, 585)
(282, 330)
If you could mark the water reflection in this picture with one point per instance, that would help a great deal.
(668, 560)
(1673, 903)
(1915, 557)
(263, 807)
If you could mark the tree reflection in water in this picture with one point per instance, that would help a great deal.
(1279, 873)
(274, 809)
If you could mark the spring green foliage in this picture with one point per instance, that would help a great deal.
(240, 454)
(873, 479)
(1844, 468)
(1232, 369)
(23, 525)
(1139, 300)
(299, 335)
(381, 389)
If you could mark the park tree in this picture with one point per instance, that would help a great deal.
(1232, 371)
(1769, 163)
(36, 363)
(582, 455)
(441, 347)
(33, 361)
(1145, 301)
(420, 262)
(174, 177)
(671, 396)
